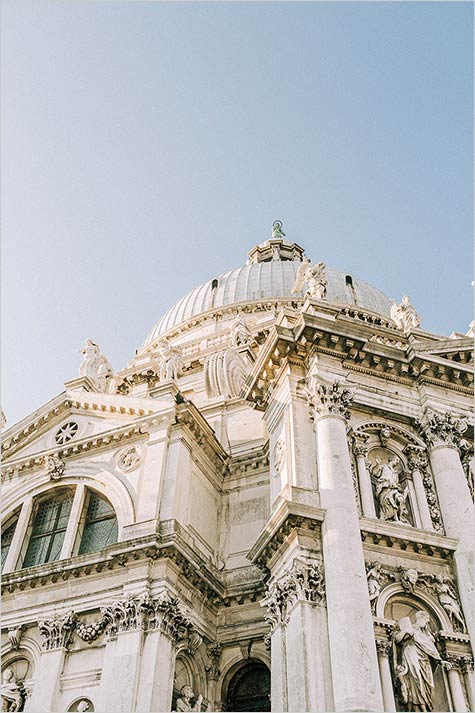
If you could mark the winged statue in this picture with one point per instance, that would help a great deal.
(314, 274)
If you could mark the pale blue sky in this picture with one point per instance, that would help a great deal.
(146, 147)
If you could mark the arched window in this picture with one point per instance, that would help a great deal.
(249, 688)
(48, 530)
(100, 526)
(90, 528)
(7, 537)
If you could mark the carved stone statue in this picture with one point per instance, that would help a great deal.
(83, 706)
(170, 362)
(468, 463)
(95, 366)
(54, 467)
(416, 648)
(391, 497)
(448, 598)
(405, 315)
(240, 333)
(12, 692)
(409, 578)
(376, 580)
(184, 702)
(315, 277)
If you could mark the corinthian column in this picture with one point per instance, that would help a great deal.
(354, 662)
(442, 433)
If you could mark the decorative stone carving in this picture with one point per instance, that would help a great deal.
(170, 364)
(468, 463)
(301, 582)
(83, 706)
(467, 664)
(383, 647)
(416, 648)
(279, 455)
(389, 493)
(409, 578)
(377, 577)
(417, 460)
(95, 366)
(328, 399)
(404, 315)
(214, 651)
(57, 631)
(54, 467)
(447, 596)
(225, 373)
(13, 693)
(240, 334)
(314, 274)
(144, 613)
(129, 459)
(14, 636)
(442, 429)
(184, 701)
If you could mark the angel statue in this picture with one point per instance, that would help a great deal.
(169, 361)
(448, 598)
(95, 365)
(405, 315)
(315, 277)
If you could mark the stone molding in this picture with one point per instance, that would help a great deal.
(302, 582)
(441, 429)
(325, 400)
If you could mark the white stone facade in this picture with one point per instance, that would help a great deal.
(283, 476)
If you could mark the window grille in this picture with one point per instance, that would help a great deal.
(7, 537)
(49, 528)
(100, 527)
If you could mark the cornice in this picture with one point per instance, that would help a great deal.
(286, 518)
(407, 539)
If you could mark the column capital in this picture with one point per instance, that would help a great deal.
(441, 429)
(303, 581)
(383, 647)
(416, 458)
(328, 399)
(57, 631)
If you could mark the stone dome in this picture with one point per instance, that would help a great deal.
(270, 273)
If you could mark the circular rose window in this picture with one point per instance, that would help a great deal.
(66, 433)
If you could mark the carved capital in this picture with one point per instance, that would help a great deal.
(57, 631)
(383, 647)
(467, 664)
(442, 429)
(303, 582)
(416, 459)
(332, 399)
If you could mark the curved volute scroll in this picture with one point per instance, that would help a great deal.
(225, 373)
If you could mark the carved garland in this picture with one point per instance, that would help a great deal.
(145, 612)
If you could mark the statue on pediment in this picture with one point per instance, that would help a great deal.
(240, 333)
(170, 363)
(405, 315)
(95, 366)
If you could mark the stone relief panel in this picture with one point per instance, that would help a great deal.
(278, 456)
(390, 491)
(129, 459)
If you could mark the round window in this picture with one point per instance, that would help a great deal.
(66, 433)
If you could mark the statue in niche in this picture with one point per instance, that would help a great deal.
(405, 315)
(448, 598)
(315, 277)
(391, 497)
(170, 362)
(416, 650)
(183, 703)
(13, 695)
(240, 332)
(95, 365)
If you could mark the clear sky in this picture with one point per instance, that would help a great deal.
(146, 147)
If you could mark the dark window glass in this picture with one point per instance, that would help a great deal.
(49, 528)
(7, 537)
(100, 528)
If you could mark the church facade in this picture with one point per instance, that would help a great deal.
(269, 509)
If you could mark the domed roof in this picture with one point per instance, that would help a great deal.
(265, 279)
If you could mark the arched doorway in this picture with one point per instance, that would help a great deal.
(249, 688)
